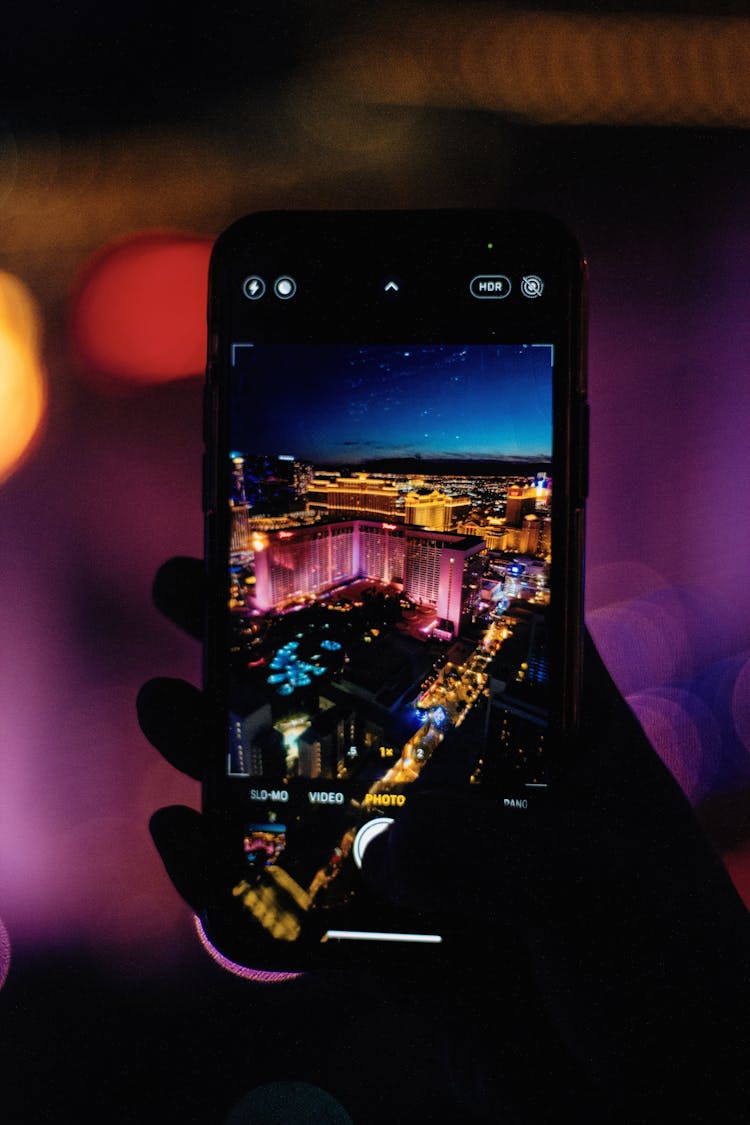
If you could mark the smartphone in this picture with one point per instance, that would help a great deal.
(395, 479)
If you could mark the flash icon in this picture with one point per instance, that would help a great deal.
(253, 287)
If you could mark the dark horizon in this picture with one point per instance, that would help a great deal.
(435, 466)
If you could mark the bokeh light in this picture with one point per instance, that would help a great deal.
(558, 68)
(138, 311)
(646, 639)
(685, 735)
(22, 381)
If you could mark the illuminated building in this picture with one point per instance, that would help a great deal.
(423, 568)
(304, 474)
(545, 538)
(521, 501)
(241, 537)
(381, 551)
(303, 562)
(309, 761)
(512, 540)
(493, 531)
(435, 510)
(516, 715)
(532, 537)
(536, 536)
(543, 487)
(328, 742)
(255, 747)
(267, 482)
(238, 479)
(530, 530)
(435, 569)
(356, 495)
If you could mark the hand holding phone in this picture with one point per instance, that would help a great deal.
(616, 903)
(394, 496)
(606, 907)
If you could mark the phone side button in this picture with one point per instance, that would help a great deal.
(583, 478)
(209, 500)
(207, 399)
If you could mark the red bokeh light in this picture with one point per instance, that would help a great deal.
(138, 310)
(737, 863)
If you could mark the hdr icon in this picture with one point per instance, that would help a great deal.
(486, 286)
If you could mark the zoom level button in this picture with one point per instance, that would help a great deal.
(490, 286)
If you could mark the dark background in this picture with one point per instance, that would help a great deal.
(116, 122)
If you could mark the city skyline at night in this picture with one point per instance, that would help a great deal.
(473, 570)
(389, 555)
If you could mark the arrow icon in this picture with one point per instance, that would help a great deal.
(391, 287)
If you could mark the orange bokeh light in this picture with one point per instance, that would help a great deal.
(23, 392)
(138, 311)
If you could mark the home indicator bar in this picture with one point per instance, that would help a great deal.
(374, 935)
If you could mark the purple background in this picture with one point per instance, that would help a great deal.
(219, 122)
(113, 489)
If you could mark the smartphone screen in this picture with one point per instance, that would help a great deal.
(394, 538)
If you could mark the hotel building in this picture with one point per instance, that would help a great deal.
(356, 495)
(246, 529)
(441, 570)
(521, 502)
(435, 510)
(532, 537)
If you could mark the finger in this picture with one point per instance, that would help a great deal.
(178, 834)
(173, 716)
(179, 592)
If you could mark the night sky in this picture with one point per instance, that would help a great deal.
(348, 404)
